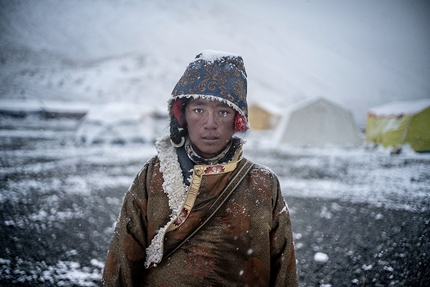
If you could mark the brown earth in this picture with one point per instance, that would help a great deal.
(366, 245)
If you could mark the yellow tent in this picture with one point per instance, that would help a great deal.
(263, 116)
(399, 123)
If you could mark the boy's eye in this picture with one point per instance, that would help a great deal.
(198, 111)
(223, 113)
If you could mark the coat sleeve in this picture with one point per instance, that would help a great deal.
(283, 259)
(126, 255)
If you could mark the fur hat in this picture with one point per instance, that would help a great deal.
(212, 75)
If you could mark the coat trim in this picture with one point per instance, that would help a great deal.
(175, 189)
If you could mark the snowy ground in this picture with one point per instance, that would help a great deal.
(59, 201)
(366, 174)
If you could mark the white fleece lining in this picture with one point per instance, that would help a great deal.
(212, 98)
(175, 189)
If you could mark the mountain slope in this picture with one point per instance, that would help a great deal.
(359, 54)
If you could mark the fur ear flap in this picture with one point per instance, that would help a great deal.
(178, 113)
(239, 123)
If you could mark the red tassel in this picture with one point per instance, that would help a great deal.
(177, 112)
(239, 123)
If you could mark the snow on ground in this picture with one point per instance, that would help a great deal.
(365, 174)
(52, 191)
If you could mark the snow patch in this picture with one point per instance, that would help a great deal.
(212, 55)
(320, 257)
(400, 108)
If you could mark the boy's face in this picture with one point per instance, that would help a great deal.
(210, 126)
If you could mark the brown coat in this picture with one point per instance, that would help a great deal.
(248, 242)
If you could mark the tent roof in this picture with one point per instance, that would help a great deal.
(25, 105)
(115, 112)
(65, 106)
(271, 107)
(400, 108)
(310, 101)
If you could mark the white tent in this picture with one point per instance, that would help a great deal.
(117, 123)
(317, 122)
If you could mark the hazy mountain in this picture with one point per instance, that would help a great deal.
(357, 53)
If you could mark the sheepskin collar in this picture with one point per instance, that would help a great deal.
(175, 189)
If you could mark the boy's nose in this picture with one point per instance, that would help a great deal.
(210, 122)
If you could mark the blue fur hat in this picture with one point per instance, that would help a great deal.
(213, 75)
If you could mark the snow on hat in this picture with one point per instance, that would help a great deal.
(212, 75)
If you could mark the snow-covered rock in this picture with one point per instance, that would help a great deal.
(321, 258)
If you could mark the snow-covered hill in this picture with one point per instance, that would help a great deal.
(357, 53)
